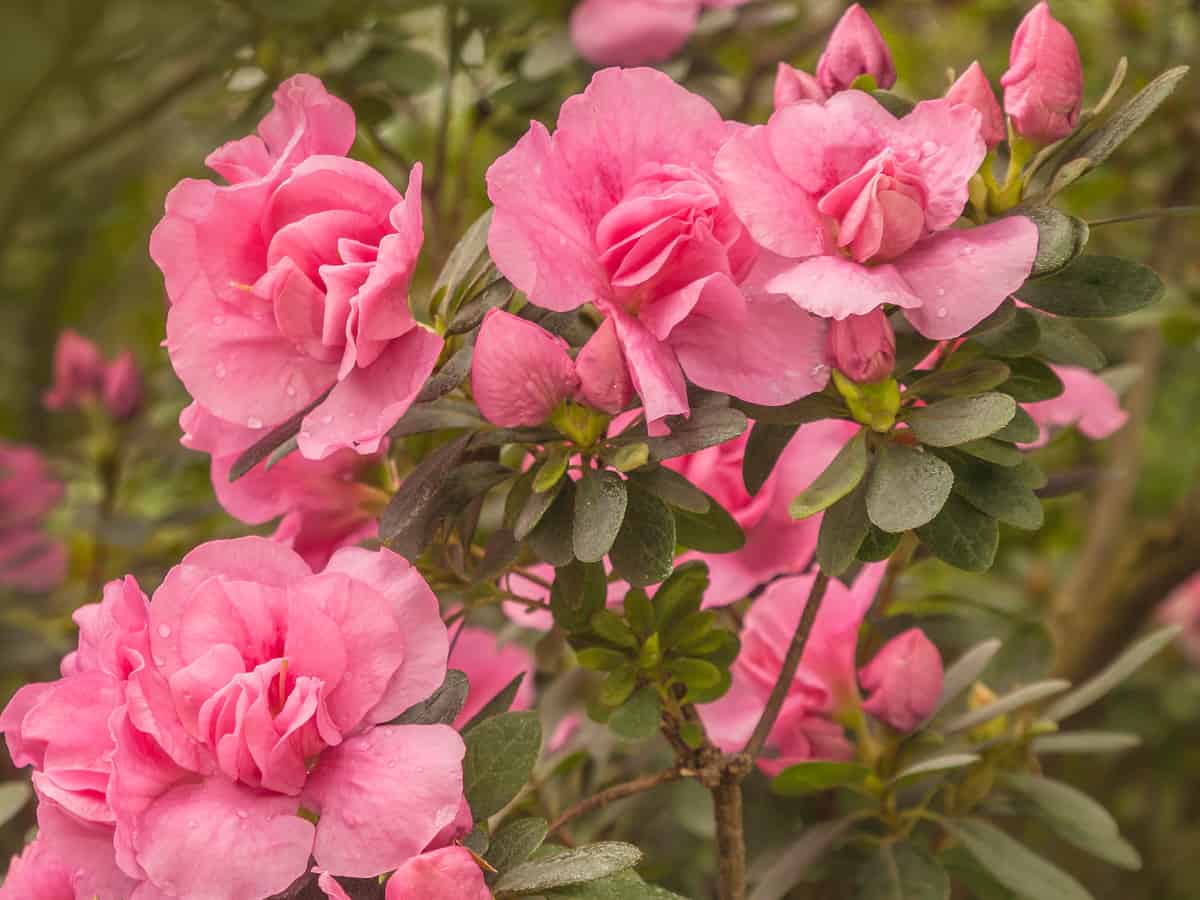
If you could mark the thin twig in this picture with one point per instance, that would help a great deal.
(618, 792)
(791, 662)
(1166, 212)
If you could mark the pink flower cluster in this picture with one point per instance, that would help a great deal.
(82, 377)
(208, 743)
(30, 560)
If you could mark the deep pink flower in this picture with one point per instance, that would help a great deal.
(824, 683)
(447, 874)
(855, 48)
(489, 667)
(322, 504)
(793, 85)
(860, 204)
(81, 376)
(974, 89)
(520, 372)
(29, 559)
(632, 32)
(620, 207)
(38, 874)
(1086, 402)
(293, 281)
(904, 680)
(1182, 608)
(775, 543)
(1043, 87)
(863, 348)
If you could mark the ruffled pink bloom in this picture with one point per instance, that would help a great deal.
(29, 559)
(82, 376)
(862, 205)
(620, 207)
(863, 348)
(775, 543)
(520, 372)
(974, 89)
(489, 667)
(322, 505)
(447, 874)
(1182, 608)
(904, 680)
(824, 683)
(38, 874)
(1086, 402)
(793, 85)
(1043, 87)
(855, 48)
(632, 32)
(289, 286)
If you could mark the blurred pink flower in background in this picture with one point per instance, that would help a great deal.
(1182, 608)
(855, 48)
(904, 680)
(30, 560)
(289, 286)
(489, 666)
(82, 376)
(632, 32)
(1043, 87)
(1086, 402)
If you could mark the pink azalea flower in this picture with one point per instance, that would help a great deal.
(29, 559)
(520, 372)
(1182, 608)
(620, 207)
(863, 348)
(81, 376)
(447, 874)
(974, 89)
(1086, 402)
(905, 680)
(793, 85)
(38, 873)
(289, 286)
(855, 48)
(632, 32)
(489, 667)
(1043, 87)
(860, 206)
(322, 505)
(775, 543)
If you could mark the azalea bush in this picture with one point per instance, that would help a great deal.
(600, 480)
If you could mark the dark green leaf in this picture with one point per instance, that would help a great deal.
(912, 348)
(447, 413)
(810, 777)
(907, 488)
(935, 764)
(622, 886)
(965, 672)
(501, 754)
(1064, 344)
(466, 263)
(1012, 864)
(812, 408)
(895, 104)
(272, 440)
(844, 528)
(552, 469)
(1061, 238)
(901, 872)
(1021, 430)
(673, 489)
(1001, 316)
(763, 449)
(1085, 742)
(1030, 382)
(600, 503)
(639, 612)
(529, 505)
(1112, 675)
(878, 545)
(695, 673)
(1095, 286)
(840, 477)
(644, 549)
(973, 378)
(578, 593)
(471, 313)
(681, 594)
(638, 717)
(407, 522)
(1101, 143)
(993, 451)
(690, 628)
(608, 625)
(961, 419)
(453, 372)
(583, 864)
(1017, 338)
(601, 659)
(1001, 493)
(513, 843)
(498, 705)
(713, 531)
(443, 705)
(962, 536)
(552, 538)
(1018, 699)
(707, 427)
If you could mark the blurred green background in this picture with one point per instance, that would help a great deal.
(105, 104)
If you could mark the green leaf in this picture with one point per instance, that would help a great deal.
(453, 372)
(934, 765)
(993, 451)
(673, 489)
(962, 381)
(1075, 817)
(583, 864)
(713, 531)
(1061, 238)
(810, 777)
(552, 469)
(763, 449)
(895, 104)
(629, 457)
(812, 408)
(1031, 381)
(796, 859)
(964, 672)
(1018, 699)
(498, 705)
(1016, 338)
(644, 549)
(600, 503)
(530, 505)
(442, 706)
(1011, 863)
(1000, 493)
(1085, 742)
(470, 315)
(1064, 344)
(1095, 286)
(962, 536)
(998, 318)
(1021, 430)
(639, 612)
(466, 263)
(638, 717)
(501, 754)
(616, 688)
(13, 797)
(622, 886)
(608, 625)
(878, 545)
(961, 419)
(680, 595)
(552, 538)
(578, 593)
(690, 628)
(447, 413)
(601, 659)
(901, 872)
(707, 427)
(515, 841)
(844, 529)
(1112, 674)
(272, 441)
(407, 522)
(840, 477)
(912, 348)
(1101, 143)
(695, 673)
(907, 488)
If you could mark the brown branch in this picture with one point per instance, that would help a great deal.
(767, 61)
(617, 792)
(731, 839)
(791, 662)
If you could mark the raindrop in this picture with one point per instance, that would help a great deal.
(291, 390)
(218, 320)
(326, 419)
(193, 823)
(818, 370)
(241, 814)
(941, 292)
(220, 370)
(159, 661)
(164, 631)
(929, 148)
(942, 312)
(254, 422)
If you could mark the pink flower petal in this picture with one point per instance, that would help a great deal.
(447, 874)
(835, 287)
(604, 381)
(653, 367)
(490, 666)
(520, 372)
(631, 32)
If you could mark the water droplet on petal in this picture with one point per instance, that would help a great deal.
(220, 370)
(193, 823)
(818, 370)
(291, 390)
(326, 419)
(159, 661)
(929, 148)
(241, 814)
(941, 292)
(942, 312)
(254, 422)
(218, 320)
(164, 631)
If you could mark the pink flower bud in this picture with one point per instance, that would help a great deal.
(855, 48)
(604, 381)
(974, 89)
(78, 372)
(863, 348)
(124, 392)
(904, 680)
(1043, 87)
(793, 85)
(520, 372)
